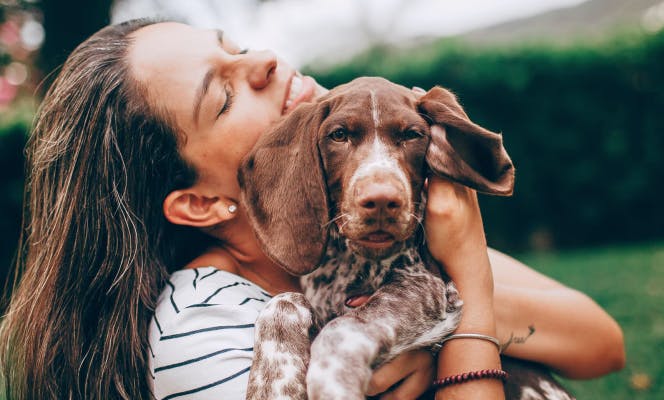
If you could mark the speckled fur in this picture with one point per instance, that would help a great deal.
(352, 341)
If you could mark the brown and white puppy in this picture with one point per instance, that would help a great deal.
(334, 193)
(314, 166)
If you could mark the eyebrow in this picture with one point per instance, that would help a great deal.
(205, 83)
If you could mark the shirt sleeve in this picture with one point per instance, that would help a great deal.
(203, 352)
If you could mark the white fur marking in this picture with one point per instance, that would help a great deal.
(528, 393)
(551, 392)
(374, 110)
(379, 160)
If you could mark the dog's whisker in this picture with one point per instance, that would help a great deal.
(333, 220)
(420, 221)
(344, 224)
(416, 217)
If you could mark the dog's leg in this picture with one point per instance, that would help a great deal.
(396, 318)
(530, 381)
(281, 349)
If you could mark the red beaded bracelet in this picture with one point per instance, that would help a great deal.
(470, 376)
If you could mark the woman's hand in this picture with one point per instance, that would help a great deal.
(453, 225)
(455, 237)
(413, 371)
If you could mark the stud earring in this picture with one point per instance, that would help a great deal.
(232, 208)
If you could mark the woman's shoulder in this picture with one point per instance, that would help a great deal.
(208, 290)
(201, 334)
(203, 300)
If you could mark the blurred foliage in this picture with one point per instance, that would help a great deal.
(14, 127)
(582, 123)
(59, 18)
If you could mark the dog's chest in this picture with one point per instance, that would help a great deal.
(343, 274)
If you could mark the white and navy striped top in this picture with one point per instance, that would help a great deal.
(202, 335)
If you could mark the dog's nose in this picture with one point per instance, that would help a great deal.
(377, 197)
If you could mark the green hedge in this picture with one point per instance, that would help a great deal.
(583, 124)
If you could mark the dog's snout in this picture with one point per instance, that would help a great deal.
(380, 197)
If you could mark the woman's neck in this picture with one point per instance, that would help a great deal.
(240, 253)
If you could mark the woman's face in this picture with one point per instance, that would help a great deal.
(220, 96)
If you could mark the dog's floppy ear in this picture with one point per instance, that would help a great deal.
(464, 151)
(284, 192)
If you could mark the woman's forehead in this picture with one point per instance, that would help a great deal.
(169, 59)
(163, 45)
(174, 50)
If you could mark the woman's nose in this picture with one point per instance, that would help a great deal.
(260, 67)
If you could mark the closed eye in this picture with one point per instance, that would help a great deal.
(227, 103)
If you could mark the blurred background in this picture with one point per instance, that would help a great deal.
(576, 87)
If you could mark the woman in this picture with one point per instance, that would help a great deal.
(132, 176)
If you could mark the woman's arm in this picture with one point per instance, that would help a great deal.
(455, 237)
(503, 298)
(555, 325)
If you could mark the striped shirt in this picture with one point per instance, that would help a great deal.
(202, 335)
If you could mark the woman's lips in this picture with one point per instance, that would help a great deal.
(301, 89)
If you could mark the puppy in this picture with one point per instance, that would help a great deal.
(334, 194)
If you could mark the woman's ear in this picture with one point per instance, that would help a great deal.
(191, 208)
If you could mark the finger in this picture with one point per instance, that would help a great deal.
(389, 374)
(442, 197)
(440, 185)
(402, 367)
(445, 195)
(413, 386)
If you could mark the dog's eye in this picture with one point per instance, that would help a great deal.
(409, 134)
(339, 135)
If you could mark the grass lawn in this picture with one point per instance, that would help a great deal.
(628, 281)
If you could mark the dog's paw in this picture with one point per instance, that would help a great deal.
(325, 382)
(341, 357)
(281, 349)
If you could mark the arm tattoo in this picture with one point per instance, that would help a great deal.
(517, 339)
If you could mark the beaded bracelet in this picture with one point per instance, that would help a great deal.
(470, 376)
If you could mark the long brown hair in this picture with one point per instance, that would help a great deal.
(95, 247)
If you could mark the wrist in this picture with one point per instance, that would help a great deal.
(478, 310)
(480, 322)
(469, 352)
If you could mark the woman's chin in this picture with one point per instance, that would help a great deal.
(319, 91)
